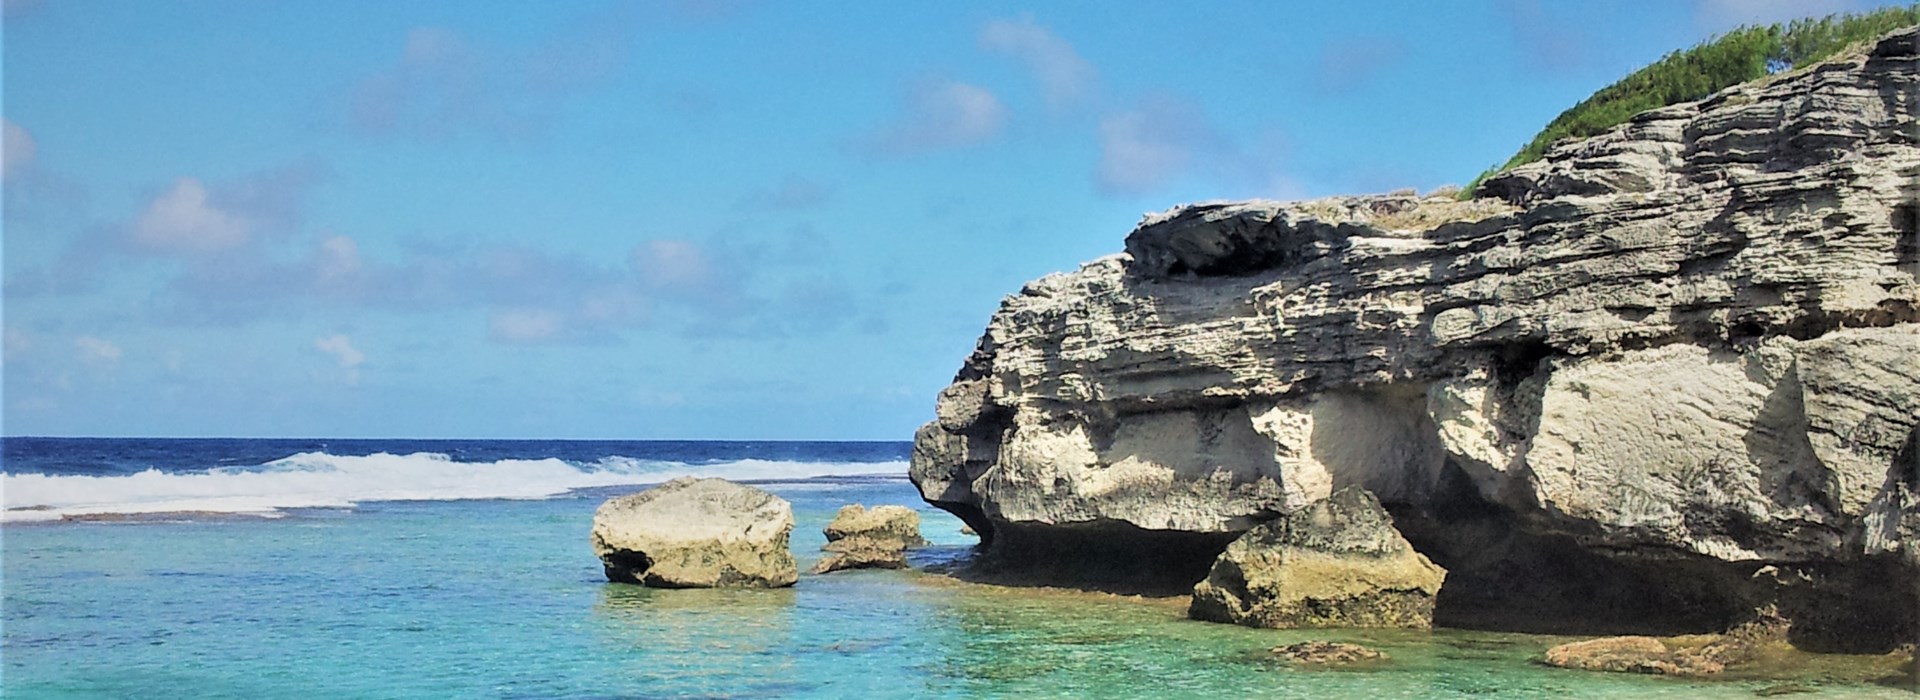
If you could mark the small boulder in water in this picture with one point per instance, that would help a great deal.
(1322, 653)
(1335, 563)
(876, 538)
(696, 533)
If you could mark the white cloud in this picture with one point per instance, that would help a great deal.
(17, 151)
(341, 348)
(942, 114)
(524, 325)
(181, 219)
(97, 352)
(1723, 15)
(1064, 76)
(674, 264)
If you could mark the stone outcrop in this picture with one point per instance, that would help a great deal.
(696, 533)
(1706, 655)
(870, 538)
(1336, 563)
(1678, 360)
(1318, 653)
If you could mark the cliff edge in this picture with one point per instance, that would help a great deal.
(1654, 381)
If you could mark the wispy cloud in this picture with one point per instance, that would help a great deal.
(1164, 139)
(35, 193)
(1065, 78)
(793, 193)
(96, 352)
(1353, 62)
(443, 84)
(17, 151)
(941, 114)
(340, 347)
(1146, 147)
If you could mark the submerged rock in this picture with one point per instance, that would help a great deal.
(1321, 653)
(1673, 353)
(870, 538)
(696, 533)
(1336, 563)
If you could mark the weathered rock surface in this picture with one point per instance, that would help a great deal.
(1687, 345)
(870, 538)
(1318, 653)
(1700, 656)
(696, 533)
(1336, 563)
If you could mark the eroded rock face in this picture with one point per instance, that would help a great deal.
(1689, 340)
(870, 538)
(696, 533)
(1335, 563)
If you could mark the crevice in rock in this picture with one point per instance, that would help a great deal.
(1106, 556)
(627, 566)
(1514, 362)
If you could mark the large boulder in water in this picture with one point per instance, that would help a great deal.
(870, 538)
(696, 533)
(1335, 563)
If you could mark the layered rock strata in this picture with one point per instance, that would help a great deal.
(870, 538)
(696, 533)
(1670, 372)
(1336, 563)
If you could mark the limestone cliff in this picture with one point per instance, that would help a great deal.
(1669, 372)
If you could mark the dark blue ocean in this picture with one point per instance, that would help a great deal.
(461, 569)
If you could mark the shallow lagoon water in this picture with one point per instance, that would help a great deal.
(503, 599)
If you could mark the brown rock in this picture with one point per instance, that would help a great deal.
(877, 538)
(1322, 653)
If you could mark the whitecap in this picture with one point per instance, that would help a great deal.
(322, 480)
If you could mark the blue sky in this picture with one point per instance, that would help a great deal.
(682, 219)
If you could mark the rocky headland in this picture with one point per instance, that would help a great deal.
(1658, 380)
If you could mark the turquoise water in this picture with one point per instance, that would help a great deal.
(503, 599)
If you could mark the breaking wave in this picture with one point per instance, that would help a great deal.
(321, 480)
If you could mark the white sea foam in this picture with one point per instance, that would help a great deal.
(321, 480)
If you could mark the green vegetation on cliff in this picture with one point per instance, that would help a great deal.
(1744, 54)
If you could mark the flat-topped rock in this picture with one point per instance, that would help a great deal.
(696, 533)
